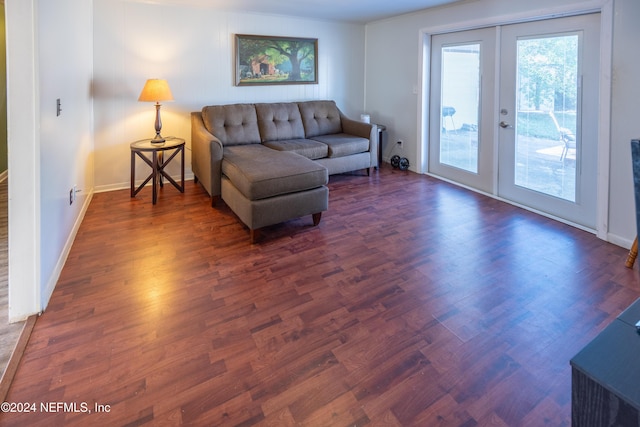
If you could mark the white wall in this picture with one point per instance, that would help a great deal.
(192, 47)
(65, 30)
(391, 83)
(49, 56)
(624, 117)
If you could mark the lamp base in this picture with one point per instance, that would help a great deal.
(158, 139)
(158, 125)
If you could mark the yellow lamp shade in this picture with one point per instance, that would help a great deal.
(155, 90)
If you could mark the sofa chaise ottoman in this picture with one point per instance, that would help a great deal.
(265, 187)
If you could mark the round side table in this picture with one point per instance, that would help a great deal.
(157, 163)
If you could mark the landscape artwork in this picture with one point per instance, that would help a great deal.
(268, 60)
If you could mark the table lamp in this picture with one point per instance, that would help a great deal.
(156, 90)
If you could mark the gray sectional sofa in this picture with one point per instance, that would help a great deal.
(270, 162)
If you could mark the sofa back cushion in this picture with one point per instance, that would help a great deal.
(320, 118)
(234, 124)
(279, 121)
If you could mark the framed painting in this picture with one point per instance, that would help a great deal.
(269, 60)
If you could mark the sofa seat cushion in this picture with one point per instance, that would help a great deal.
(259, 172)
(279, 121)
(305, 147)
(342, 144)
(232, 124)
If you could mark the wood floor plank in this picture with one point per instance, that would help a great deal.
(413, 302)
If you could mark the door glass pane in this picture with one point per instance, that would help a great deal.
(547, 102)
(460, 100)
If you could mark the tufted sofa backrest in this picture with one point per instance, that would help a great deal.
(232, 124)
(320, 118)
(279, 121)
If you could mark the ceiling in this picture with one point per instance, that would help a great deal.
(360, 11)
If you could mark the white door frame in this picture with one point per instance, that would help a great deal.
(605, 8)
(24, 160)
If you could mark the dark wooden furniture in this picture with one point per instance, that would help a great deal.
(157, 163)
(633, 254)
(605, 375)
(382, 136)
(635, 165)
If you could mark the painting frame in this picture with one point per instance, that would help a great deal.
(269, 60)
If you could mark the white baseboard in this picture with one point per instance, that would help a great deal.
(127, 185)
(55, 275)
(619, 241)
(611, 238)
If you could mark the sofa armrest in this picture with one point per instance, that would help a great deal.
(363, 130)
(206, 156)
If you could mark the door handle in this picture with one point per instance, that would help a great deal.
(505, 125)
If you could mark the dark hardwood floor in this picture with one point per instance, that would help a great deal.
(413, 303)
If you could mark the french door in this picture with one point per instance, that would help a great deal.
(514, 113)
(461, 130)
